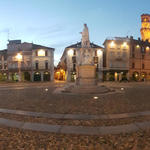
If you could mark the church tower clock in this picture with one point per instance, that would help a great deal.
(145, 27)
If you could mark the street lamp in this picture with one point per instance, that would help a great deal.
(19, 59)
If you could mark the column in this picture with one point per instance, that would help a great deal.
(32, 76)
(116, 76)
(107, 76)
(68, 76)
(128, 76)
(42, 76)
(120, 76)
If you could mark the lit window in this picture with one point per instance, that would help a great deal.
(124, 44)
(112, 44)
(99, 52)
(147, 48)
(138, 46)
(41, 53)
(70, 52)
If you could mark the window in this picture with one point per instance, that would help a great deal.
(41, 52)
(95, 60)
(5, 57)
(36, 53)
(5, 66)
(96, 67)
(110, 65)
(74, 67)
(143, 66)
(73, 59)
(124, 54)
(133, 55)
(133, 65)
(46, 65)
(111, 54)
(118, 53)
(36, 65)
(46, 53)
(96, 53)
(74, 52)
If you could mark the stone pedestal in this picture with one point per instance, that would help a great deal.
(86, 75)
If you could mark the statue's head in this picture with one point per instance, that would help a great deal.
(85, 25)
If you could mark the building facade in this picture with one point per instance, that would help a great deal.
(35, 62)
(71, 59)
(126, 59)
(116, 59)
(139, 59)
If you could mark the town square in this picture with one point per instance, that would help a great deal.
(75, 75)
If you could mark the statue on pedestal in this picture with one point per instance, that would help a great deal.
(85, 37)
(86, 53)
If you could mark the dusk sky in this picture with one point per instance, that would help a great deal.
(58, 23)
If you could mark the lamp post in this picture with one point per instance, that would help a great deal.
(19, 59)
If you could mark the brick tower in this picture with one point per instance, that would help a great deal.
(145, 27)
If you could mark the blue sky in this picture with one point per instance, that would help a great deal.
(57, 23)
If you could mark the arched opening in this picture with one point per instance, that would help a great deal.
(143, 76)
(4, 77)
(15, 76)
(135, 76)
(46, 76)
(26, 76)
(37, 76)
(1, 77)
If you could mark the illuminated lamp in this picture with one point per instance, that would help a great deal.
(19, 57)
(112, 44)
(147, 48)
(99, 52)
(70, 52)
(41, 52)
(125, 44)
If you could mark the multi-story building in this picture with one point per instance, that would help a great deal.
(126, 59)
(139, 59)
(116, 59)
(71, 59)
(27, 61)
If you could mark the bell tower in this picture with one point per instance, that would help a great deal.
(145, 27)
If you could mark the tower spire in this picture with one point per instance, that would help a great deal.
(145, 27)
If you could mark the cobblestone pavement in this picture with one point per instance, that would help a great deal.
(40, 98)
(15, 139)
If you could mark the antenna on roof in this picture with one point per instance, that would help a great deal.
(8, 35)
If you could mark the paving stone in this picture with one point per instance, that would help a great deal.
(75, 116)
(117, 116)
(80, 116)
(42, 127)
(145, 113)
(80, 130)
(143, 125)
(11, 123)
(75, 129)
(118, 129)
